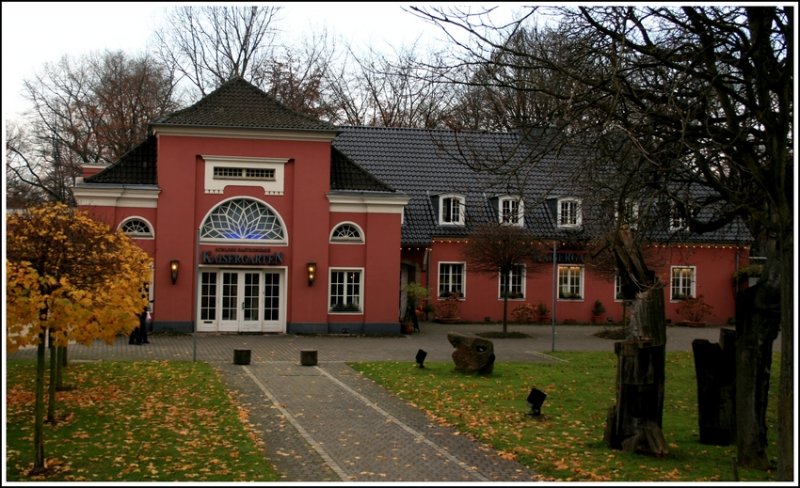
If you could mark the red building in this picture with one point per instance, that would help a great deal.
(261, 219)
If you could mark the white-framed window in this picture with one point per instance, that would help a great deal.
(514, 285)
(511, 210)
(221, 172)
(570, 282)
(451, 210)
(243, 219)
(346, 290)
(618, 287)
(347, 232)
(569, 212)
(137, 228)
(682, 283)
(232, 173)
(451, 279)
(677, 221)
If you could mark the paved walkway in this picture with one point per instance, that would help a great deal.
(328, 423)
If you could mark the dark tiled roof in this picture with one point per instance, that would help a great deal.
(482, 166)
(137, 166)
(348, 176)
(239, 104)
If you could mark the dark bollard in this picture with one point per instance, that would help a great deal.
(241, 356)
(308, 357)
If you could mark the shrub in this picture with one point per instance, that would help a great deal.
(542, 312)
(524, 314)
(448, 309)
(694, 309)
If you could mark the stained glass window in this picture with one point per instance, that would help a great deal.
(243, 219)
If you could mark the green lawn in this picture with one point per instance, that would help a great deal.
(566, 442)
(173, 421)
(134, 421)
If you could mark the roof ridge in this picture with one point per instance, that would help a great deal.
(424, 129)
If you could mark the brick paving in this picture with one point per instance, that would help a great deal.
(327, 423)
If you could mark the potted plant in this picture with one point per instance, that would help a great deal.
(598, 312)
(414, 293)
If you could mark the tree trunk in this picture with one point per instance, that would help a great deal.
(51, 387)
(38, 426)
(634, 423)
(757, 325)
(786, 454)
(61, 360)
(505, 314)
(505, 276)
(715, 369)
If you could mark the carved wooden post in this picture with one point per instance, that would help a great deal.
(634, 422)
(715, 368)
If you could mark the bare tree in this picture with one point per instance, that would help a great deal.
(297, 77)
(388, 91)
(498, 249)
(704, 96)
(89, 110)
(211, 44)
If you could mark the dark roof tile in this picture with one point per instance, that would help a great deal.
(137, 166)
(239, 104)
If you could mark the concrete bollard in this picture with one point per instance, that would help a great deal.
(308, 357)
(241, 356)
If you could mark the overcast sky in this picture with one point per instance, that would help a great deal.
(38, 32)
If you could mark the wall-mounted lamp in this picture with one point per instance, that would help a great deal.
(174, 266)
(535, 401)
(312, 272)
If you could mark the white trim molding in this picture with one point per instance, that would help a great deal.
(113, 195)
(367, 203)
(266, 134)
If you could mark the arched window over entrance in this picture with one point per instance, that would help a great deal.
(243, 220)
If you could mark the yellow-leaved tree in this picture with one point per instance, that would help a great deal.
(69, 278)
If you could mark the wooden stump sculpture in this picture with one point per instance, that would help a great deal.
(634, 423)
(715, 368)
(473, 354)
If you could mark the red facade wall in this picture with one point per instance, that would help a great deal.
(714, 264)
(304, 208)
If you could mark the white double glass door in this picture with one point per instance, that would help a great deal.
(242, 301)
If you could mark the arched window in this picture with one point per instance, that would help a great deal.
(136, 228)
(243, 220)
(347, 232)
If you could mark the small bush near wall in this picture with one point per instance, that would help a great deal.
(524, 314)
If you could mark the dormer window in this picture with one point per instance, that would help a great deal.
(569, 212)
(451, 210)
(630, 214)
(677, 221)
(511, 211)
